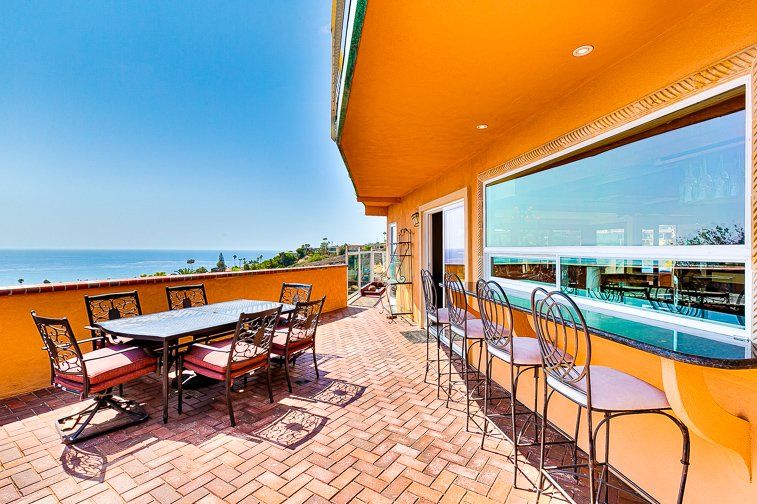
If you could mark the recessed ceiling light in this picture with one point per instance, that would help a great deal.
(582, 50)
(482, 126)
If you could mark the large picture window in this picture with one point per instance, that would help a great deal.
(653, 222)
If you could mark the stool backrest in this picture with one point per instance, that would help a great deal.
(457, 300)
(186, 296)
(291, 293)
(496, 314)
(429, 295)
(560, 329)
(58, 339)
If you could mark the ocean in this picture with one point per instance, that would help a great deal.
(36, 266)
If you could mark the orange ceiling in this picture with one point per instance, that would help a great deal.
(429, 71)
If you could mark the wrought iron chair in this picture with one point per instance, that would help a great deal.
(520, 354)
(186, 296)
(299, 335)
(246, 352)
(471, 333)
(105, 307)
(292, 293)
(562, 333)
(91, 374)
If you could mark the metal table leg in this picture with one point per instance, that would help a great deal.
(166, 382)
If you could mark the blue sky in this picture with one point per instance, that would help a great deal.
(170, 125)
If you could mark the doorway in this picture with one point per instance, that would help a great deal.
(445, 242)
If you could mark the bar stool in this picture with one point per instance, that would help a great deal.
(470, 330)
(438, 319)
(520, 354)
(560, 328)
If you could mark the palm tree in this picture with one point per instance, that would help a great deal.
(235, 259)
(20, 280)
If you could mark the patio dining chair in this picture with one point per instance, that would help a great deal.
(291, 293)
(248, 351)
(91, 374)
(112, 306)
(104, 307)
(186, 296)
(562, 334)
(299, 335)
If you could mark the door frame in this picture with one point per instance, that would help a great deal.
(425, 228)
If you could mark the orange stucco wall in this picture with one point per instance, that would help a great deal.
(646, 450)
(25, 366)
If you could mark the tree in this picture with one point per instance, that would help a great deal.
(324, 245)
(303, 250)
(221, 264)
(45, 281)
(201, 269)
(235, 259)
(190, 261)
(717, 235)
(20, 280)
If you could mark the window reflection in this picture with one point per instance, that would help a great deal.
(711, 291)
(538, 271)
(680, 187)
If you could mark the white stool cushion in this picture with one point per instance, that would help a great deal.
(525, 350)
(443, 316)
(475, 328)
(613, 390)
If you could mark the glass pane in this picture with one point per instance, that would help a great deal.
(454, 241)
(352, 274)
(365, 268)
(533, 270)
(711, 291)
(378, 266)
(681, 187)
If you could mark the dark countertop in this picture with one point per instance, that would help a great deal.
(679, 343)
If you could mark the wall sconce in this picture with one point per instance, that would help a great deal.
(416, 218)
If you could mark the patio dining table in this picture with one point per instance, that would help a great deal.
(200, 322)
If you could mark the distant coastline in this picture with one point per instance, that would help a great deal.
(34, 266)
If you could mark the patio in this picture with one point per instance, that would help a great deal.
(369, 430)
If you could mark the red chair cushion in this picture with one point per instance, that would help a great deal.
(278, 345)
(108, 367)
(217, 360)
(111, 362)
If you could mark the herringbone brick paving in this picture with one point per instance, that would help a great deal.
(369, 430)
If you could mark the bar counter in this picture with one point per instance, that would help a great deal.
(676, 342)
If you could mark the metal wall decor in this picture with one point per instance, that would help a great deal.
(400, 272)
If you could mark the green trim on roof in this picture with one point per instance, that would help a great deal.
(357, 31)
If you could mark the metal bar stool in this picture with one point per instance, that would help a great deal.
(560, 329)
(471, 333)
(520, 354)
(437, 322)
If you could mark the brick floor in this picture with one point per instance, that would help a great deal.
(369, 430)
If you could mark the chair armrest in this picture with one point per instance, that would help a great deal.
(208, 347)
(110, 354)
(92, 328)
(98, 338)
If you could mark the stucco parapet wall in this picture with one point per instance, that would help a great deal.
(130, 282)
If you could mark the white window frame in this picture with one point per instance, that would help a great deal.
(705, 253)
